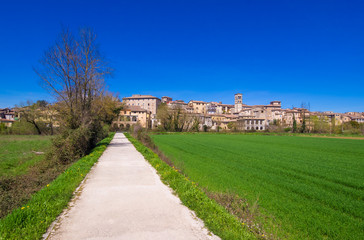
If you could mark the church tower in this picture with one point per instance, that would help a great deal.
(238, 102)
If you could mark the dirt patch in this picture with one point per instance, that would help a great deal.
(338, 137)
(17, 190)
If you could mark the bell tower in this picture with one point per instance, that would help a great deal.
(238, 102)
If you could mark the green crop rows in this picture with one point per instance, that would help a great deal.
(313, 188)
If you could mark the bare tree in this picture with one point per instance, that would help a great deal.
(35, 114)
(73, 70)
(174, 119)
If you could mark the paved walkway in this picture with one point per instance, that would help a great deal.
(124, 198)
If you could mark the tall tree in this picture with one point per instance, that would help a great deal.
(294, 124)
(175, 119)
(303, 127)
(73, 70)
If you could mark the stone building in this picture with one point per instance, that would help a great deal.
(358, 119)
(198, 106)
(178, 104)
(146, 102)
(251, 124)
(218, 108)
(8, 116)
(166, 99)
(131, 115)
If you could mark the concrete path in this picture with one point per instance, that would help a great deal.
(124, 198)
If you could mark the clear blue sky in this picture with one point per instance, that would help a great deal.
(293, 51)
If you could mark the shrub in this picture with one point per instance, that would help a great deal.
(71, 145)
(23, 128)
(205, 128)
(288, 129)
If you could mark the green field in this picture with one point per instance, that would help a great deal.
(310, 188)
(17, 152)
(23, 169)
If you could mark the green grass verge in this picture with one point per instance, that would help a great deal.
(216, 218)
(32, 219)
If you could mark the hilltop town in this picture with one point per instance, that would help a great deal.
(142, 109)
(215, 116)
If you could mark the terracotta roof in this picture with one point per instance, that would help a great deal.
(6, 120)
(135, 109)
(251, 118)
(226, 105)
(230, 116)
(178, 101)
(273, 106)
(197, 101)
(137, 96)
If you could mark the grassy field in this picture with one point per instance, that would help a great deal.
(17, 153)
(306, 188)
(23, 169)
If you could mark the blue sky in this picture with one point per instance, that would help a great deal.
(293, 51)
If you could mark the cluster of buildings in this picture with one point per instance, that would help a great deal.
(8, 116)
(143, 109)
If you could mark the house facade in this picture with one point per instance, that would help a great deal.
(146, 102)
(131, 115)
(8, 116)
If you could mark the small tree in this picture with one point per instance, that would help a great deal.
(294, 127)
(303, 127)
(36, 115)
(232, 126)
(176, 119)
(165, 117)
(195, 124)
(205, 128)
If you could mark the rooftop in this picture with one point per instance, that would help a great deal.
(135, 109)
(138, 96)
(194, 101)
